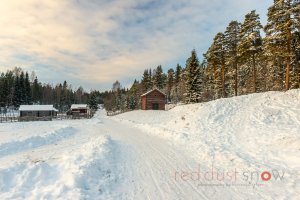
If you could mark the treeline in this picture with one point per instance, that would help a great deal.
(239, 61)
(17, 87)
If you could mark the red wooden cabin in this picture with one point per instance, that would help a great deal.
(153, 100)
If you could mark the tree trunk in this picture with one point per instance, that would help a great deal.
(288, 60)
(287, 75)
(215, 72)
(235, 80)
(254, 72)
(223, 80)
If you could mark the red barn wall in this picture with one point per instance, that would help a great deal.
(143, 103)
(151, 98)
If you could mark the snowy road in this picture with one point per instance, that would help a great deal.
(148, 164)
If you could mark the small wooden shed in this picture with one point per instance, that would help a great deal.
(37, 112)
(80, 110)
(153, 100)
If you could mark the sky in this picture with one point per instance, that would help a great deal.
(93, 43)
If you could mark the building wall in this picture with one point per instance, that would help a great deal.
(84, 111)
(78, 113)
(143, 103)
(37, 115)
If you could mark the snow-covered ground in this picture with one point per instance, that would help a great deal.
(54, 160)
(216, 150)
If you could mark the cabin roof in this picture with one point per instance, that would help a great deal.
(37, 108)
(145, 94)
(79, 106)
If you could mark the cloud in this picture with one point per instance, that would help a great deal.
(93, 43)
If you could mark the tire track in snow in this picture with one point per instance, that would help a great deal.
(152, 169)
(168, 160)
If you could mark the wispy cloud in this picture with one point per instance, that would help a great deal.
(92, 43)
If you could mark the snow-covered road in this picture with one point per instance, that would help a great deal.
(97, 159)
(148, 165)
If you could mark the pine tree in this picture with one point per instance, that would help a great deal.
(116, 86)
(232, 40)
(283, 20)
(295, 72)
(79, 95)
(295, 77)
(193, 79)
(210, 73)
(250, 44)
(219, 51)
(208, 81)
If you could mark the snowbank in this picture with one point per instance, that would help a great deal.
(55, 160)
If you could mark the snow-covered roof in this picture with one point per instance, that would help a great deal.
(152, 91)
(37, 108)
(79, 106)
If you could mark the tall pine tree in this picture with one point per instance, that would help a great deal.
(250, 45)
(232, 40)
(283, 21)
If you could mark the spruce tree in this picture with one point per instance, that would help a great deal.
(178, 74)
(133, 96)
(159, 78)
(170, 83)
(27, 90)
(22, 88)
(193, 79)
(2, 98)
(93, 102)
(146, 80)
(150, 79)
(16, 100)
(36, 91)
(179, 84)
